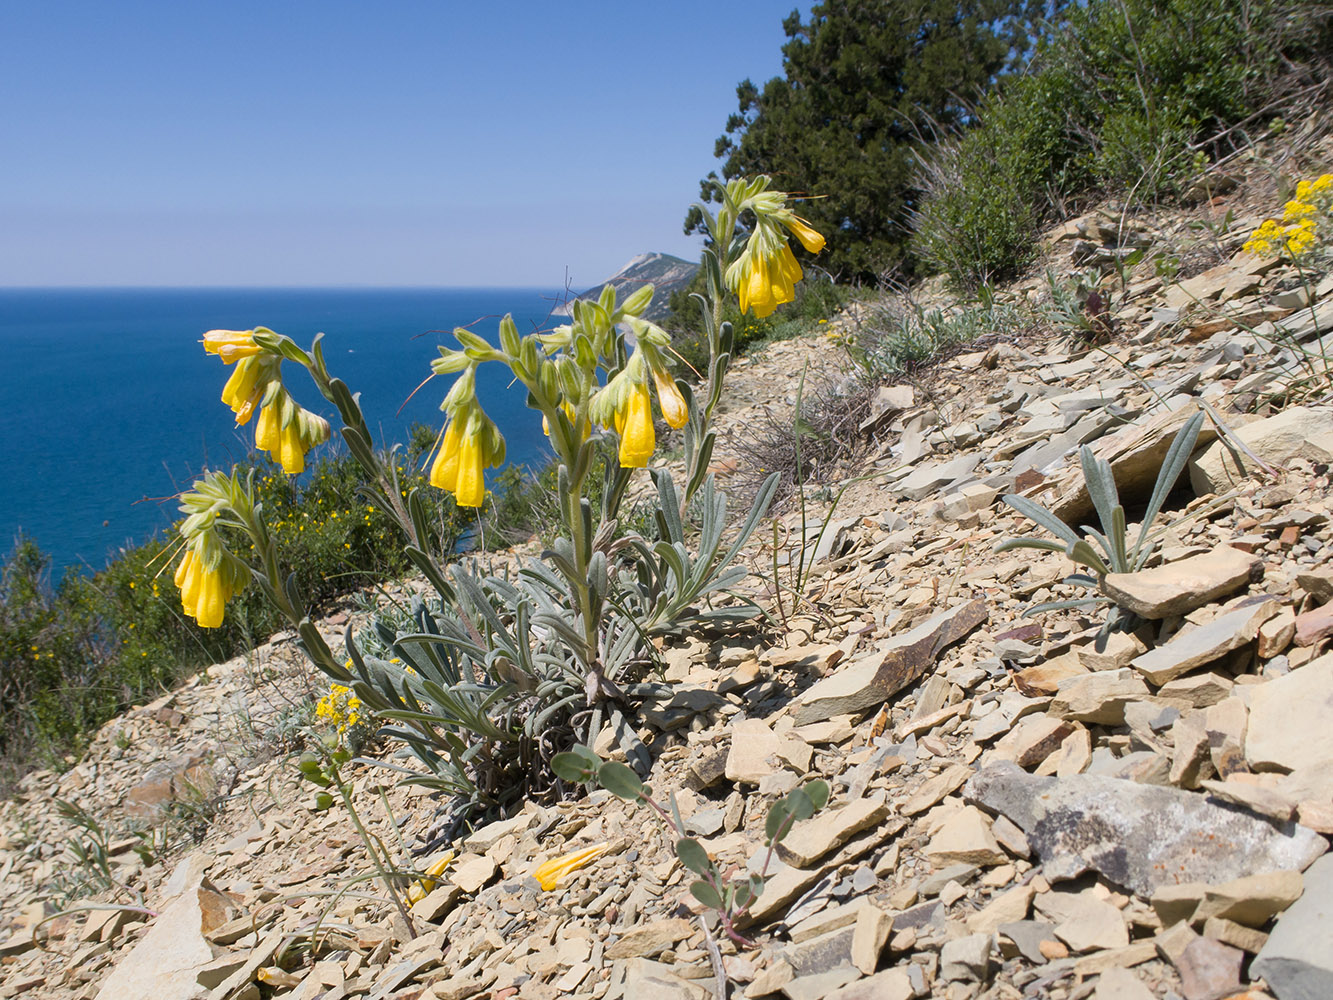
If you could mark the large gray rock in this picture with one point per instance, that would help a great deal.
(1297, 961)
(1296, 432)
(1289, 719)
(1141, 837)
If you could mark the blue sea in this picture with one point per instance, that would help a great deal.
(109, 405)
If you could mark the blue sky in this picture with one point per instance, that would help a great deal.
(351, 143)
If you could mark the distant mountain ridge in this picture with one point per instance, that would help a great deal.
(663, 271)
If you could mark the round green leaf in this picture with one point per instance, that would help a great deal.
(706, 894)
(693, 856)
(777, 818)
(572, 767)
(620, 781)
(818, 791)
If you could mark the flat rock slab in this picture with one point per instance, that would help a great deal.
(1136, 455)
(926, 480)
(1296, 432)
(897, 662)
(1204, 644)
(1179, 587)
(1141, 837)
(1289, 719)
(1297, 961)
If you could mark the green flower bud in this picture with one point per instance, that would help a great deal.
(509, 338)
(637, 301)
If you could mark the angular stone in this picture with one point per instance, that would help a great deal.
(1253, 900)
(932, 790)
(168, 959)
(1297, 961)
(470, 874)
(1119, 649)
(819, 985)
(1247, 939)
(1009, 907)
(1179, 587)
(891, 984)
(812, 838)
(1092, 925)
(753, 752)
(1296, 432)
(897, 663)
(1098, 697)
(1027, 937)
(650, 939)
(1199, 691)
(1313, 625)
(1033, 740)
(1275, 635)
(1204, 644)
(966, 959)
(1045, 678)
(1174, 903)
(437, 903)
(1136, 455)
(965, 838)
(1209, 970)
(927, 479)
(1121, 984)
(1115, 827)
(1289, 719)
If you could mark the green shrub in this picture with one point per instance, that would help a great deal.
(1122, 100)
(73, 655)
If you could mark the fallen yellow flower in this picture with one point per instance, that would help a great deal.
(550, 873)
(422, 887)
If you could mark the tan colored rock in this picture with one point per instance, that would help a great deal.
(933, 790)
(1119, 649)
(753, 753)
(1092, 924)
(167, 960)
(1204, 644)
(1234, 934)
(1031, 741)
(650, 939)
(1099, 697)
(1275, 635)
(1253, 900)
(1199, 690)
(1008, 907)
(1289, 719)
(812, 838)
(965, 837)
(1296, 432)
(1179, 587)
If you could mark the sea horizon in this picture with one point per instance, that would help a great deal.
(113, 407)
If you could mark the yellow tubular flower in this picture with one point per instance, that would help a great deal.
(550, 873)
(240, 391)
(267, 431)
(231, 345)
(674, 410)
(290, 450)
(444, 470)
(635, 420)
(803, 231)
(470, 488)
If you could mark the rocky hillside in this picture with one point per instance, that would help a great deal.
(661, 270)
(1018, 809)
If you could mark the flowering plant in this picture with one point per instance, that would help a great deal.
(486, 684)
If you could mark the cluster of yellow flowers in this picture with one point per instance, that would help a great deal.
(339, 708)
(285, 429)
(625, 403)
(765, 274)
(209, 575)
(1303, 218)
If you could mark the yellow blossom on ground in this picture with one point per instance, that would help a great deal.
(550, 873)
